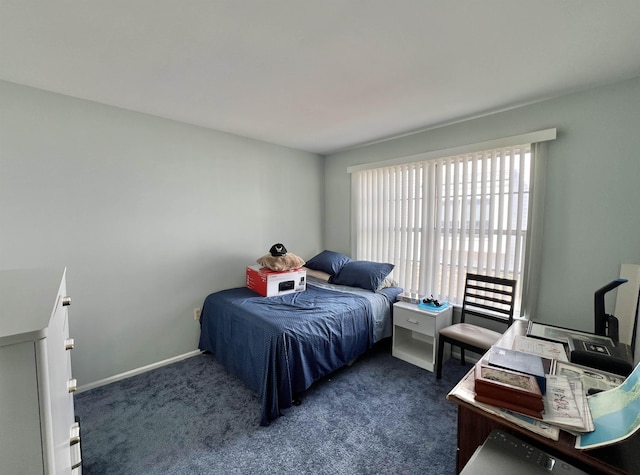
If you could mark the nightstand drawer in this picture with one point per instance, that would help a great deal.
(415, 321)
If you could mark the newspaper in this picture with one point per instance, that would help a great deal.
(544, 348)
(593, 380)
(615, 414)
(565, 404)
(465, 390)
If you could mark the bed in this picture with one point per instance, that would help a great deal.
(279, 346)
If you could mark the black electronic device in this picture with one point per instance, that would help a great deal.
(616, 357)
(605, 325)
(286, 285)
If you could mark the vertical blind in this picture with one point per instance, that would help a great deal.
(438, 219)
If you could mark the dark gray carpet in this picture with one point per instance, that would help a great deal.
(380, 415)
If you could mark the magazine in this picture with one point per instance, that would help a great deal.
(615, 414)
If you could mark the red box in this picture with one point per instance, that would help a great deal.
(269, 283)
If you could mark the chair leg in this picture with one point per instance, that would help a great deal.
(462, 356)
(439, 358)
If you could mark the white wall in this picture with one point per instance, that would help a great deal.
(592, 217)
(148, 215)
(151, 215)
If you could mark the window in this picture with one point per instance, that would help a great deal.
(439, 218)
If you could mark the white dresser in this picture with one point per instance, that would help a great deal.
(38, 430)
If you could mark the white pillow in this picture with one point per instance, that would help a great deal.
(318, 274)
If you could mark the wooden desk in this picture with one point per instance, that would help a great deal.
(475, 424)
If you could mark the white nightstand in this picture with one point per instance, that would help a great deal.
(415, 333)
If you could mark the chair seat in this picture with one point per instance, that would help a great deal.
(472, 335)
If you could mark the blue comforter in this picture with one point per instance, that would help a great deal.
(278, 346)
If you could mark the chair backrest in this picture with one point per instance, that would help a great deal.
(489, 297)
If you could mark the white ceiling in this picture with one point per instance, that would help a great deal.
(318, 75)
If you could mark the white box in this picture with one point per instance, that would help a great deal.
(269, 283)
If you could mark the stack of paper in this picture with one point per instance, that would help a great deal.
(565, 405)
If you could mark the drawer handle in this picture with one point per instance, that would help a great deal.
(76, 456)
(72, 385)
(66, 301)
(411, 320)
(69, 344)
(76, 451)
(75, 434)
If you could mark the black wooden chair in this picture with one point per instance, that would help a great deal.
(492, 298)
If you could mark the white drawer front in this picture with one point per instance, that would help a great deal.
(416, 321)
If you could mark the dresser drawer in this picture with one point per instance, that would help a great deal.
(414, 320)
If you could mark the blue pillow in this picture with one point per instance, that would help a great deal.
(364, 274)
(328, 261)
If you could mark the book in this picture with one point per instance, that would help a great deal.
(509, 389)
(409, 297)
(520, 362)
(510, 406)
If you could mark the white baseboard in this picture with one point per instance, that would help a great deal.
(175, 359)
(134, 372)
